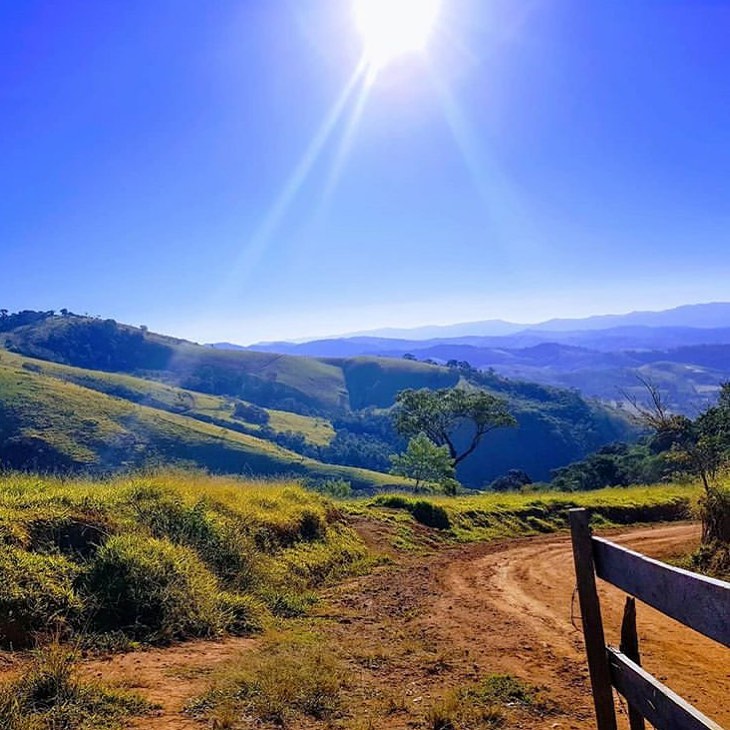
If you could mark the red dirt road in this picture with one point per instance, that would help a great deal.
(430, 623)
(512, 606)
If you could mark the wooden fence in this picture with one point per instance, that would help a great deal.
(701, 603)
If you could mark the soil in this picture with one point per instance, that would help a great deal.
(438, 620)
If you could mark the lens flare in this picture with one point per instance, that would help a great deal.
(393, 28)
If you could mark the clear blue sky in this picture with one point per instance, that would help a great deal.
(168, 163)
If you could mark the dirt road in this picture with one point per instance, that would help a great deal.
(506, 608)
(432, 623)
(518, 601)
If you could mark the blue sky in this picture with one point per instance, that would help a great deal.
(181, 164)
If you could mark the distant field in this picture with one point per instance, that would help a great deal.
(490, 516)
(59, 417)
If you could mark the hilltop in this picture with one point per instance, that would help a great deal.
(134, 396)
(686, 351)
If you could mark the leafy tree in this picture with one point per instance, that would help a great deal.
(702, 449)
(425, 463)
(512, 481)
(440, 414)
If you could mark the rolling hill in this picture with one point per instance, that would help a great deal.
(141, 397)
(685, 350)
(50, 422)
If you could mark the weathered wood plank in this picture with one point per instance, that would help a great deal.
(699, 602)
(590, 610)
(630, 647)
(664, 709)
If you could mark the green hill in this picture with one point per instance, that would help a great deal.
(48, 422)
(327, 410)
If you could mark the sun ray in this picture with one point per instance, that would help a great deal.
(255, 248)
(507, 214)
(346, 141)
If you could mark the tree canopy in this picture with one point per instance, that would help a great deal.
(425, 463)
(441, 414)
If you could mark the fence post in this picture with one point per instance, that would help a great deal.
(630, 647)
(590, 610)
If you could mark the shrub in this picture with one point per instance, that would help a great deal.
(37, 595)
(715, 515)
(337, 488)
(221, 543)
(154, 590)
(512, 481)
(250, 413)
(50, 695)
(423, 511)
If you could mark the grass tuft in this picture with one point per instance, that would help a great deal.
(50, 696)
(290, 677)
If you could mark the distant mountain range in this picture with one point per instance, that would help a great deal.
(80, 393)
(685, 350)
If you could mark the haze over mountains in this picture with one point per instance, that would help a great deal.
(686, 350)
(96, 395)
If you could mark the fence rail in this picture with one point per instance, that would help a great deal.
(698, 602)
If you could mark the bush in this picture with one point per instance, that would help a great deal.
(715, 515)
(337, 488)
(250, 413)
(222, 544)
(37, 595)
(49, 695)
(512, 481)
(423, 511)
(154, 590)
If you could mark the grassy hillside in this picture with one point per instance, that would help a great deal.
(305, 396)
(272, 380)
(215, 409)
(50, 423)
(161, 557)
(375, 381)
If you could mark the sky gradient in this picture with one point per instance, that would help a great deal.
(218, 171)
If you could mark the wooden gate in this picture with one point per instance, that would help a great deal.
(699, 602)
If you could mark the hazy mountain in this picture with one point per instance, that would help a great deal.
(686, 349)
(167, 399)
(692, 316)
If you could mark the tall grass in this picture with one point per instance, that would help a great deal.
(161, 556)
(494, 515)
(50, 695)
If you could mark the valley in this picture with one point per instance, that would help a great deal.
(83, 393)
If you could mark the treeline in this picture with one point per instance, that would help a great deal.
(676, 446)
(365, 439)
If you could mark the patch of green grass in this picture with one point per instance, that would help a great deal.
(495, 515)
(290, 676)
(50, 696)
(484, 705)
(163, 556)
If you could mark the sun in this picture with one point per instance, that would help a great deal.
(394, 28)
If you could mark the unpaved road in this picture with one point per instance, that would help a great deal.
(517, 602)
(431, 623)
(506, 608)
